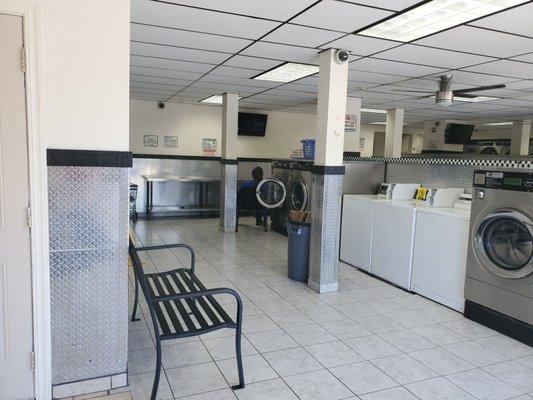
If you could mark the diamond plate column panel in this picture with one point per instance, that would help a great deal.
(88, 215)
(228, 197)
(325, 231)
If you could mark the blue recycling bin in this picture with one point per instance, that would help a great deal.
(299, 234)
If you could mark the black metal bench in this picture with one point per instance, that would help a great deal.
(180, 306)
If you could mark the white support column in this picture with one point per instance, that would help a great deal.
(327, 174)
(520, 137)
(351, 139)
(228, 162)
(393, 133)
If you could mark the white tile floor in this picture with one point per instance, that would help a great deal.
(370, 340)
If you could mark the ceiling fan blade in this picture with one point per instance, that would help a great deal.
(410, 91)
(460, 92)
(465, 95)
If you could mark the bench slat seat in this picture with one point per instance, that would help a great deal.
(181, 306)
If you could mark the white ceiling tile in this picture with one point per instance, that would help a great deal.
(142, 89)
(340, 16)
(173, 37)
(258, 63)
(235, 71)
(301, 36)
(525, 57)
(516, 20)
(479, 41)
(162, 86)
(431, 57)
(147, 96)
(371, 77)
(177, 53)
(188, 18)
(393, 67)
(505, 68)
(283, 53)
(151, 62)
(362, 45)
(154, 79)
(395, 5)
(226, 88)
(301, 87)
(279, 10)
(165, 73)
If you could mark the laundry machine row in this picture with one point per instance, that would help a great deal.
(294, 179)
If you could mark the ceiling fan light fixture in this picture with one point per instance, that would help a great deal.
(435, 16)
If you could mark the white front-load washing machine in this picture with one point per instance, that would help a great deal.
(499, 272)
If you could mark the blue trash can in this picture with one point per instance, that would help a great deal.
(299, 234)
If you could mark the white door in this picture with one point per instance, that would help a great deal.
(16, 337)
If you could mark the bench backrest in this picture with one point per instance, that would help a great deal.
(138, 270)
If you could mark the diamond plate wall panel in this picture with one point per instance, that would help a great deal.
(228, 197)
(325, 231)
(88, 215)
(432, 175)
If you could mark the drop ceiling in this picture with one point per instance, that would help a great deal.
(187, 50)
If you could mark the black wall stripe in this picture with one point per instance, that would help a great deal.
(88, 158)
(200, 158)
(328, 170)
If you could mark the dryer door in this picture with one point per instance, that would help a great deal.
(504, 243)
(298, 195)
(271, 193)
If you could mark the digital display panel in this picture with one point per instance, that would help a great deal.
(511, 181)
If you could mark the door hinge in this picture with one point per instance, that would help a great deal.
(33, 361)
(28, 215)
(23, 59)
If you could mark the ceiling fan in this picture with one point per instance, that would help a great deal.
(445, 95)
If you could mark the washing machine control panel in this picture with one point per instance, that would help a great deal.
(505, 180)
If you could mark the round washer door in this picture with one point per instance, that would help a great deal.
(271, 193)
(298, 195)
(504, 244)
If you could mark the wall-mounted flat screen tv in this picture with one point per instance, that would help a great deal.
(252, 124)
(458, 133)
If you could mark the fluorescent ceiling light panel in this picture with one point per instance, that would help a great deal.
(435, 16)
(498, 124)
(377, 123)
(288, 72)
(215, 99)
(373, 111)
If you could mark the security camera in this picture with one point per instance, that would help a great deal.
(161, 105)
(342, 56)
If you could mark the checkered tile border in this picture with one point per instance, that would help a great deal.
(514, 162)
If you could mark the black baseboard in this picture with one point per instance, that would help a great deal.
(88, 158)
(519, 330)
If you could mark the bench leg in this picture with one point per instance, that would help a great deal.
(238, 334)
(157, 371)
(134, 313)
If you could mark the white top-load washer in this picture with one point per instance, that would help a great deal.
(440, 251)
(358, 222)
(392, 241)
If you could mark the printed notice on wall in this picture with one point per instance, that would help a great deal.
(209, 147)
(361, 143)
(151, 141)
(171, 141)
(350, 124)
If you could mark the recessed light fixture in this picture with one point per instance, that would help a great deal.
(373, 111)
(288, 72)
(377, 123)
(435, 16)
(215, 99)
(498, 124)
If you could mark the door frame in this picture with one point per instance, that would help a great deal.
(31, 12)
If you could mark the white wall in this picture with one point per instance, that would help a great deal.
(87, 74)
(191, 122)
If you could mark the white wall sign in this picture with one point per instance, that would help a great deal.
(171, 141)
(151, 141)
(361, 143)
(209, 146)
(350, 124)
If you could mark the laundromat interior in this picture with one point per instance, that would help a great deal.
(266, 200)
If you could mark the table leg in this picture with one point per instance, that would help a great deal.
(147, 205)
